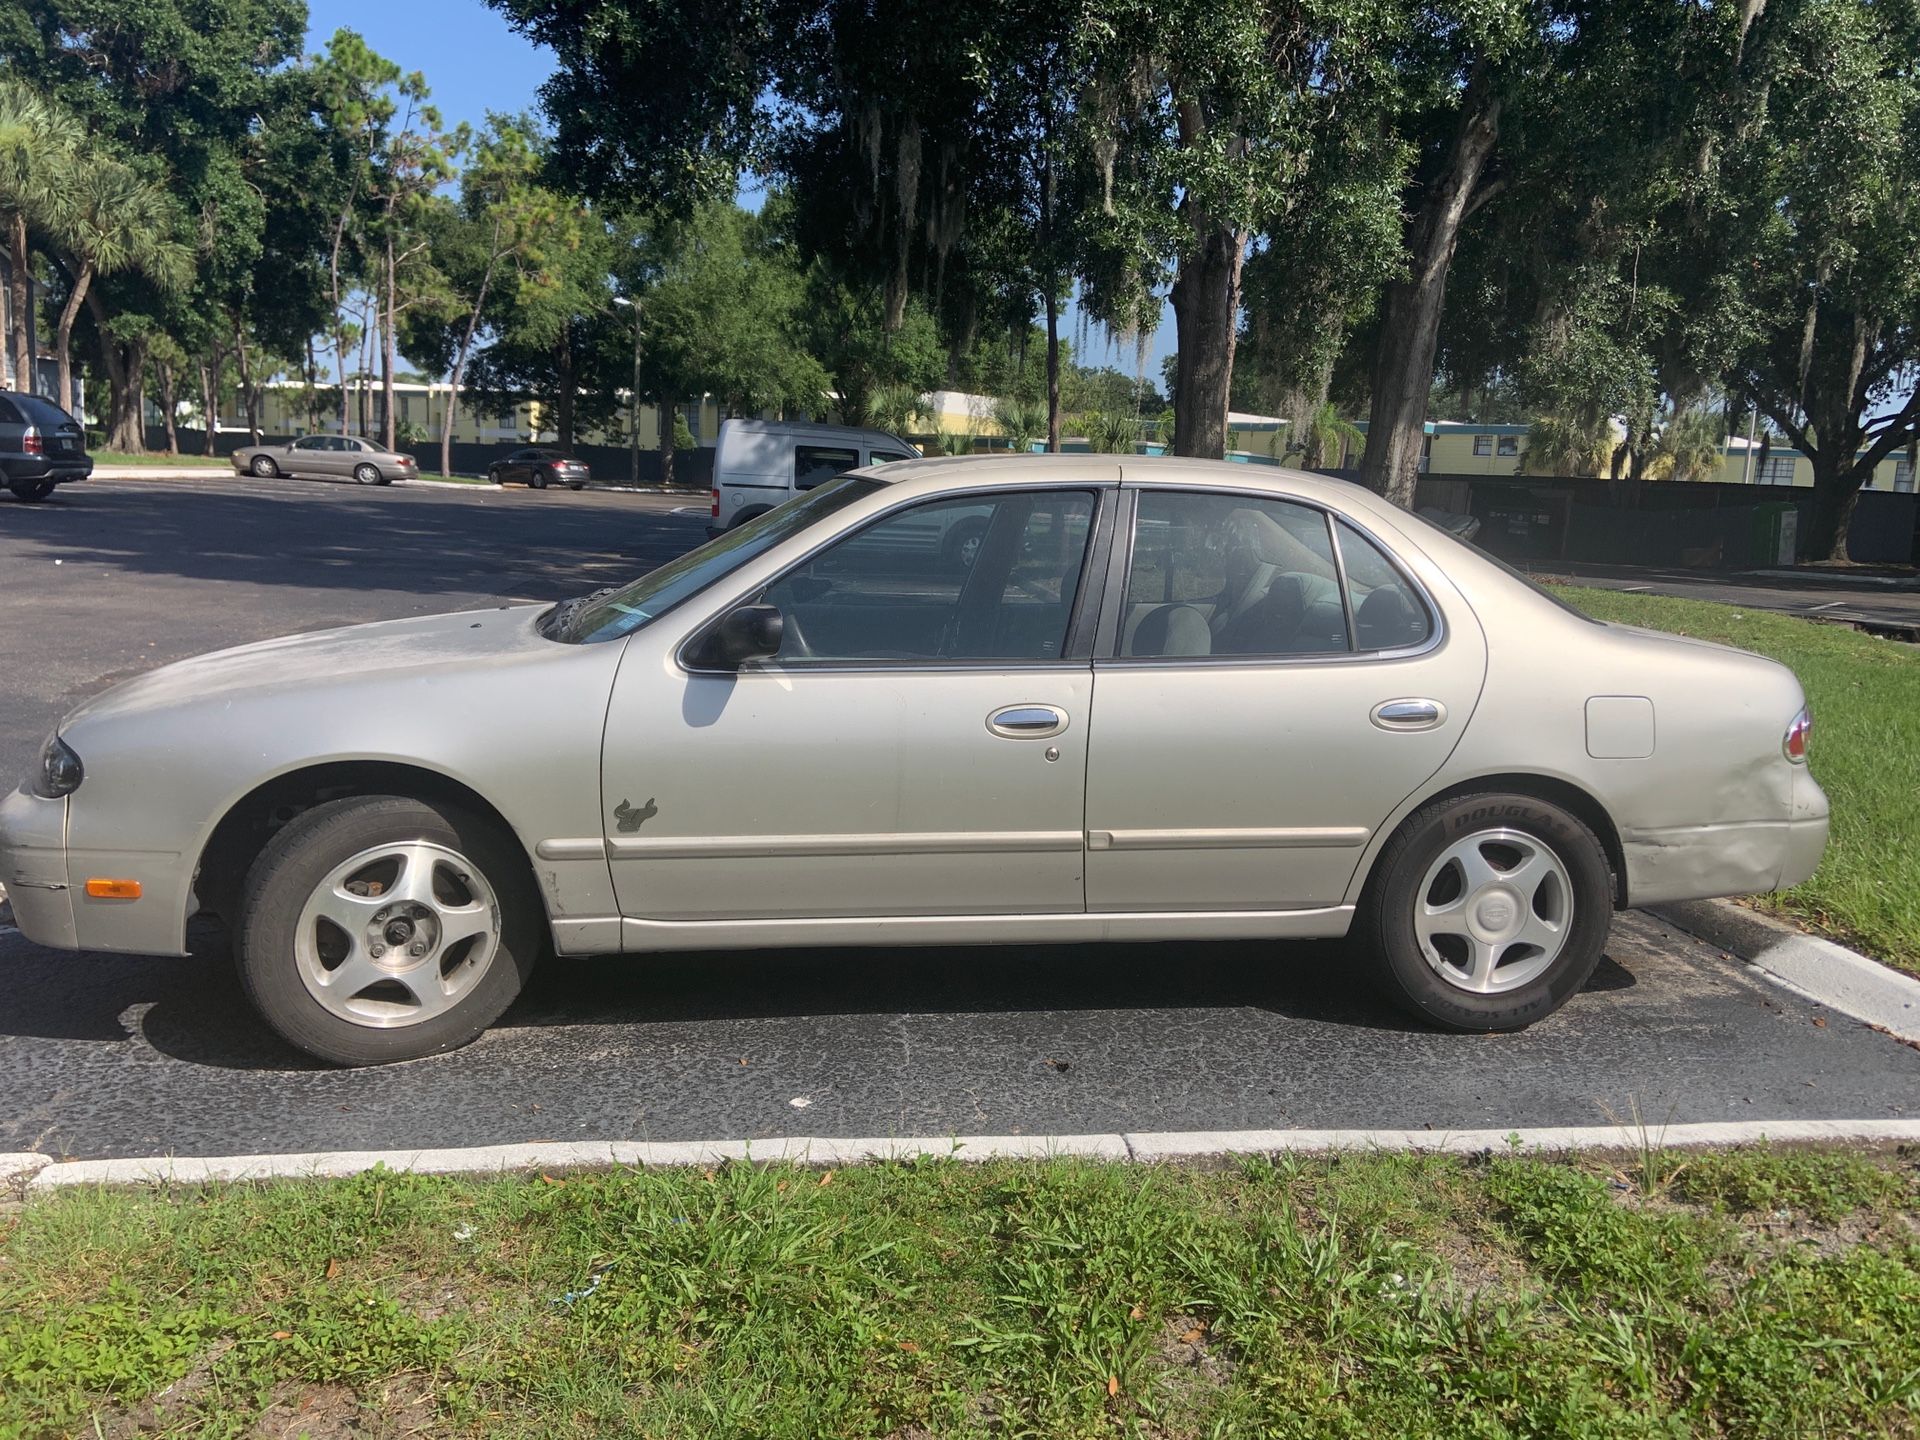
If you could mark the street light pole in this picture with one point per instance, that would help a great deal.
(633, 396)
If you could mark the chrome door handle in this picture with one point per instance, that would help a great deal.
(1408, 714)
(1027, 722)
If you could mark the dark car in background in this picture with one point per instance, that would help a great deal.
(538, 468)
(41, 446)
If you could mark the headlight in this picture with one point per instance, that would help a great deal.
(59, 772)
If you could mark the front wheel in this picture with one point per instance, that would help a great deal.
(386, 928)
(31, 489)
(1487, 912)
(264, 467)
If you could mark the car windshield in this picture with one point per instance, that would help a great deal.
(614, 613)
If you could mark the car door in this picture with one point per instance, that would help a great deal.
(304, 456)
(917, 746)
(1271, 686)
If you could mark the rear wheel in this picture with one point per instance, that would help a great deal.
(1487, 912)
(367, 474)
(576, 484)
(31, 489)
(385, 928)
(537, 480)
(264, 467)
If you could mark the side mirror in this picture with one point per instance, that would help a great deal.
(748, 632)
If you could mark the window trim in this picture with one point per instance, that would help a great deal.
(1106, 652)
(1088, 601)
(1506, 447)
(1478, 440)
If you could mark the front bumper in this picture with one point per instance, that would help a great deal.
(33, 867)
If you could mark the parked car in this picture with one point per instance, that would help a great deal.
(41, 446)
(1168, 700)
(327, 457)
(537, 468)
(757, 464)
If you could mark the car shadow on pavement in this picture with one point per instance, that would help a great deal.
(191, 1008)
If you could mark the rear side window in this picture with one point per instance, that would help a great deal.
(1387, 611)
(816, 464)
(886, 457)
(1231, 575)
(9, 414)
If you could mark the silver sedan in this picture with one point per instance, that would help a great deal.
(327, 457)
(1160, 700)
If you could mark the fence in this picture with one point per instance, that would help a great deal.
(692, 469)
(1667, 522)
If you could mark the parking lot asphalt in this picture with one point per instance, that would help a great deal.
(115, 1055)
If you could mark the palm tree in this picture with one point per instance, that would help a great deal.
(112, 220)
(898, 408)
(1021, 421)
(1324, 437)
(38, 141)
(1111, 432)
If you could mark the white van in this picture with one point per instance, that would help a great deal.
(759, 463)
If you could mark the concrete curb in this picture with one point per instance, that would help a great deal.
(1142, 1148)
(17, 1167)
(1814, 969)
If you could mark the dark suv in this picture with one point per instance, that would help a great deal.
(41, 446)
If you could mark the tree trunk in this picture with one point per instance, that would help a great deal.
(249, 397)
(209, 401)
(126, 377)
(1410, 328)
(1204, 320)
(166, 409)
(1836, 489)
(388, 435)
(460, 360)
(564, 397)
(17, 303)
(1053, 371)
(668, 412)
(63, 331)
(313, 389)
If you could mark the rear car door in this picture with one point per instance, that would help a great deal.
(917, 746)
(1270, 686)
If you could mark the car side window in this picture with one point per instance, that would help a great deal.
(10, 415)
(983, 577)
(1387, 611)
(816, 464)
(1230, 575)
(310, 442)
(885, 457)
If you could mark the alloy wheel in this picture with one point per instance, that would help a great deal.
(1494, 911)
(397, 934)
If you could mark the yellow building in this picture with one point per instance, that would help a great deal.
(1461, 448)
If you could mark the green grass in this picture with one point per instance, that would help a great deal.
(1754, 1293)
(160, 461)
(1866, 755)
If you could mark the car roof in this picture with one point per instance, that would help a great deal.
(1130, 469)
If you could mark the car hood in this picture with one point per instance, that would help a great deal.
(419, 647)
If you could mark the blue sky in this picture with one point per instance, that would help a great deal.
(474, 63)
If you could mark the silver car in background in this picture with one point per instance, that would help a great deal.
(327, 457)
(1160, 700)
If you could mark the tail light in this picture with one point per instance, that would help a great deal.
(32, 443)
(716, 502)
(1795, 745)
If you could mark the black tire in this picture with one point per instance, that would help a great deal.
(263, 466)
(301, 855)
(961, 545)
(1384, 928)
(576, 484)
(31, 490)
(537, 480)
(366, 474)
(493, 477)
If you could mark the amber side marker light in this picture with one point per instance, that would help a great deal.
(101, 889)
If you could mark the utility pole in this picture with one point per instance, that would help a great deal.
(633, 395)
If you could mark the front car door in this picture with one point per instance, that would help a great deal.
(306, 456)
(1271, 686)
(916, 748)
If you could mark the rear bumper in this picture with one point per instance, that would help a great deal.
(62, 470)
(33, 867)
(1702, 862)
